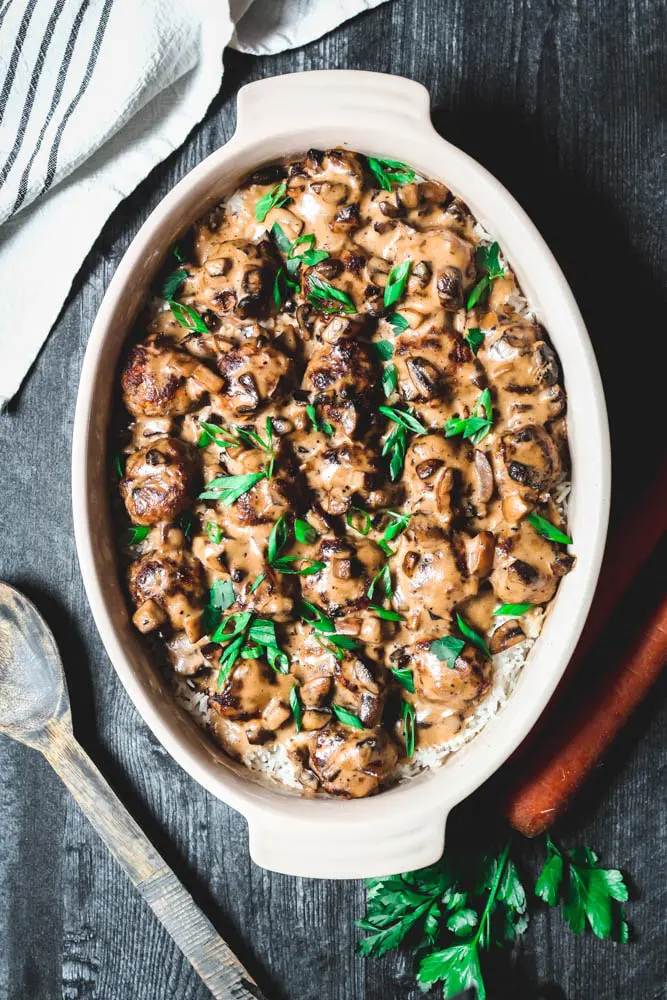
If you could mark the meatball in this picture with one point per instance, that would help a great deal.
(236, 280)
(254, 373)
(458, 685)
(264, 502)
(159, 380)
(434, 467)
(348, 571)
(430, 571)
(343, 476)
(343, 378)
(159, 481)
(350, 762)
(254, 690)
(435, 365)
(526, 566)
(526, 461)
(336, 178)
(167, 587)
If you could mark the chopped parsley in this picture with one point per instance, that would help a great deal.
(359, 520)
(304, 532)
(474, 427)
(405, 678)
(473, 637)
(381, 579)
(137, 533)
(396, 443)
(389, 380)
(398, 525)
(188, 317)
(347, 718)
(447, 649)
(548, 530)
(321, 292)
(390, 616)
(396, 282)
(214, 532)
(274, 198)
(398, 323)
(487, 261)
(295, 705)
(474, 338)
(388, 172)
(513, 609)
(229, 488)
(408, 716)
(323, 426)
(172, 283)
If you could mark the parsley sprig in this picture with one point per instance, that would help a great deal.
(323, 426)
(323, 295)
(396, 443)
(228, 489)
(274, 198)
(467, 904)
(589, 893)
(474, 427)
(188, 317)
(487, 261)
(290, 565)
(396, 282)
(548, 530)
(249, 638)
(388, 172)
(325, 629)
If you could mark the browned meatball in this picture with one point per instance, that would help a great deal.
(254, 373)
(457, 685)
(350, 762)
(159, 380)
(235, 280)
(433, 475)
(344, 476)
(264, 502)
(430, 571)
(435, 364)
(159, 481)
(254, 690)
(344, 379)
(526, 566)
(167, 587)
(526, 461)
(348, 571)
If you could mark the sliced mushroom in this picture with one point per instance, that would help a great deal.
(505, 636)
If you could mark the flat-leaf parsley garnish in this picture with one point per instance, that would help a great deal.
(447, 649)
(396, 281)
(473, 637)
(274, 198)
(172, 283)
(512, 609)
(228, 489)
(295, 705)
(474, 427)
(137, 533)
(487, 261)
(396, 442)
(318, 424)
(347, 718)
(474, 338)
(322, 295)
(388, 172)
(548, 530)
(408, 716)
(188, 317)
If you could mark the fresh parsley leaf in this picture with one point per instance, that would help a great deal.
(473, 637)
(390, 616)
(188, 317)
(474, 427)
(257, 582)
(178, 253)
(274, 198)
(229, 488)
(186, 522)
(359, 520)
(383, 348)
(408, 716)
(295, 705)
(548, 530)
(222, 594)
(396, 281)
(457, 968)
(317, 618)
(277, 538)
(398, 323)
(312, 257)
(172, 283)
(403, 417)
(322, 292)
(118, 465)
(389, 380)
(304, 532)
(590, 893)
(280, 237)
(323, 426)
(405, 678)
(447, 649)
(474, 338)
(398, 525)
(383, 579)
(233, 640)
(213, 433)
(347, 718)
(307, 567)
(487, 261)
(214, 532)
(137, 533)
(388, 172)
(513, 609)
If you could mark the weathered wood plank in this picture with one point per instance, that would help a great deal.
(565, 101)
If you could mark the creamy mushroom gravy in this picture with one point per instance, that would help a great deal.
(342, 336)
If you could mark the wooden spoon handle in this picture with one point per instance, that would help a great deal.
(172, 904)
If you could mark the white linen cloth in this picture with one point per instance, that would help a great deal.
(93, 94)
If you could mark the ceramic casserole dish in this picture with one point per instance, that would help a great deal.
(404, 827)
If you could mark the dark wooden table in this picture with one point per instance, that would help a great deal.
(564, 100)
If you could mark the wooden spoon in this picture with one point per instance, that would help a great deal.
(35, 709)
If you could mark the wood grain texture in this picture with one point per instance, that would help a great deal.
(564, 100)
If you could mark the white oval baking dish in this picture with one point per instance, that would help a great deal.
(404, 827)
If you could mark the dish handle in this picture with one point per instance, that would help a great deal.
(386, 846)
(325, 96)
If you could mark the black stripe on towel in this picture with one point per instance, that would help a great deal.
(57, 94)
(4, 11)
(32, 90)
(97, 43)
(16, 54)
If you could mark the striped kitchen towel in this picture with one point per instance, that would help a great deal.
(93, 94)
